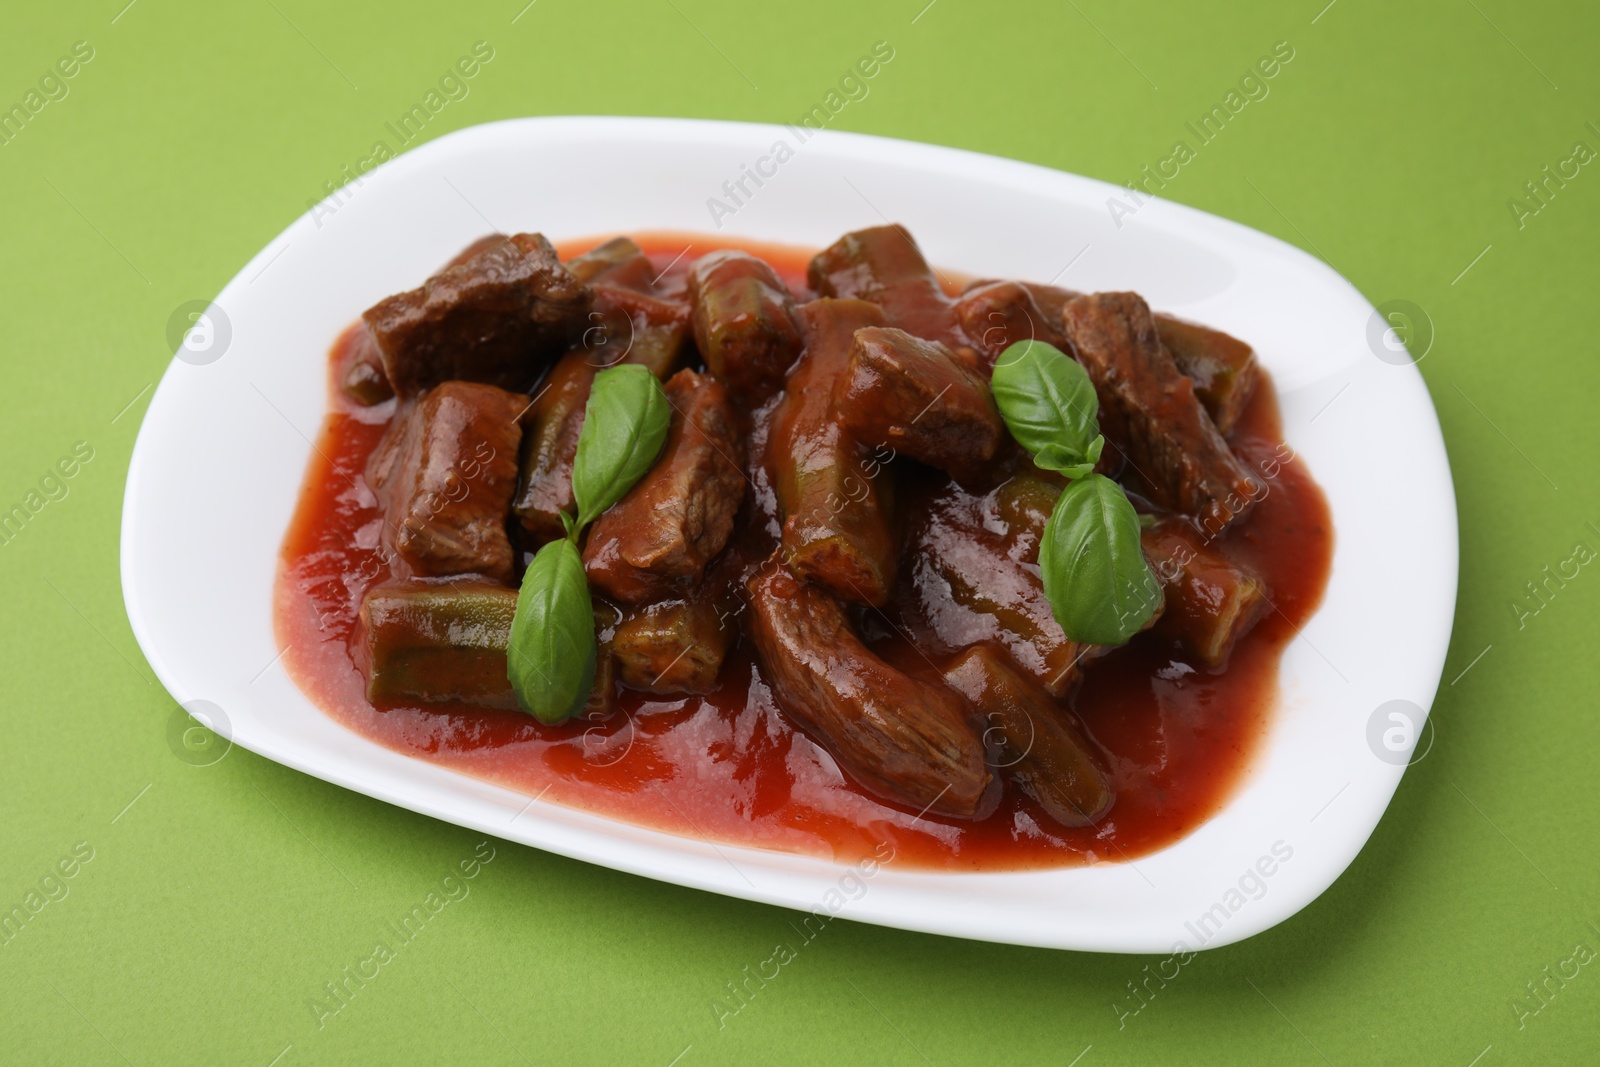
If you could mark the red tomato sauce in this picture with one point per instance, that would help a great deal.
(728, 766)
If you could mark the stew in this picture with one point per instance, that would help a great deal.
(820, 623)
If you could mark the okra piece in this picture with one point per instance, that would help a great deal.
(1223, 367)
(603, 698)
(903, 738)
(544, 487)
(1024, 503)
(675, 646)
(1211, 601)
(834, 494)
(920, 400)
(1040, 748)
(629, 328)
(618, 261)
(744, 323)
(438, 642)
(445, 642)
(884, 265)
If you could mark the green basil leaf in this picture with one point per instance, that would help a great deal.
(624, 426)
(1101, 589)
(1048, 403)
(551, 654)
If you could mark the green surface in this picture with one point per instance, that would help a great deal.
(220, 898)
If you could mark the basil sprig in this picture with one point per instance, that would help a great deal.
(1049, 405)
(1100, 586)
(550, 659)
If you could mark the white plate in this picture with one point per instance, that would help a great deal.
(220, 457)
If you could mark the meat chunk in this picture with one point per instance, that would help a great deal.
(884, 265)
(744, 323)
(659, 537)
(916, 397)
(628, 327)
(674, 646)
(1040, 748)
(1223, 367)
(1211, 601)
(497, 318)
(1149, 412)
(364, 380)
(445, 477)
(436, 642)
(996, 315)
(967, 586)
(834, 495)
(902, 738)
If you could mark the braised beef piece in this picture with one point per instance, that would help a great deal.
(996, 315)
(884, 265)
(973, 580)
(920, 400)
(445, 476)
(904, 739)
(835, 495)
(1150, 413)
(658, 538)
(364, 379)
(482, 244)
(499, 318)
(1224, 368)
(1040, 746)
(744, 323)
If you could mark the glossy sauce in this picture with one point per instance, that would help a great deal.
(728, 766)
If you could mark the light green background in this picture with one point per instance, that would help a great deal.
(223, 898)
